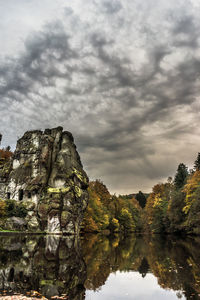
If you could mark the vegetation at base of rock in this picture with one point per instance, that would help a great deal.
(12, 208)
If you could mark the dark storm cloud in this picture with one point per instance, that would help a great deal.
(129, 113)
(38, 63)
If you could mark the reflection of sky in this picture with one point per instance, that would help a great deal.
(131, 286)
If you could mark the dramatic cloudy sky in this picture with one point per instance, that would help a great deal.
(122, 75)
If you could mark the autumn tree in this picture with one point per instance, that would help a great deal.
(5, 154)
(126, 220)
(96, 217)
(107, 212)
(156, 208)
(175, 210)
(192, 203)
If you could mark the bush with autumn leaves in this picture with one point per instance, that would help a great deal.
(5, 154)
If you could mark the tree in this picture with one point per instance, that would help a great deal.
(181, 176)
(156, 208)
(5, 154)
(197, 163)
(140, 197)
(126, 221)
(175, 211)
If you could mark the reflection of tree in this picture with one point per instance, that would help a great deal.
(103, 256)
(144, 267)
(54, 265)
(175, 262)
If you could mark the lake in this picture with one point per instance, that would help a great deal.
(97, 267)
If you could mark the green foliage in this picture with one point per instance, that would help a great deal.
(173, 206)
(126, 220)
(12, 208)
(140, 197)
(96, 217)
(197, 163)
(156, 208)
(106, 212)
(181, 176)
(2, 208)
(192, 203)
(175, 211)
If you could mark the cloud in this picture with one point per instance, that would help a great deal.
(111, 7)
(124, 81)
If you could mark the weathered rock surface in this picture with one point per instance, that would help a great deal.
(46, 176)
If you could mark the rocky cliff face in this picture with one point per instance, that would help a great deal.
(47, 177)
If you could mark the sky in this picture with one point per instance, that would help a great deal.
(122, 75)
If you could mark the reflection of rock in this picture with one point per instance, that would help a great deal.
(47, 177)
(45, 264)
(52, 243)
(54, 266)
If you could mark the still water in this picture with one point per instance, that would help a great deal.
(98, 267)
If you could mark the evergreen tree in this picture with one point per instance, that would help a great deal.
(140, 197)
(181, 176)
(197, 163)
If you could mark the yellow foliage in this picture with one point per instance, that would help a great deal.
(2, 207)
(192, 184)
(157, 201)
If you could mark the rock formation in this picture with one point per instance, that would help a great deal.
(46, 176)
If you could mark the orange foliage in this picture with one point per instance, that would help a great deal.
(5, 154)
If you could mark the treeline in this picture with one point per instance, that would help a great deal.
(174, 206)
(171, 207)
(106, 212)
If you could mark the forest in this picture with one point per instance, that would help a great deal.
(171, 207)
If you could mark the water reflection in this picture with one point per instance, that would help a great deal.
(175, 262)
(116, 268)
(37, 265)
